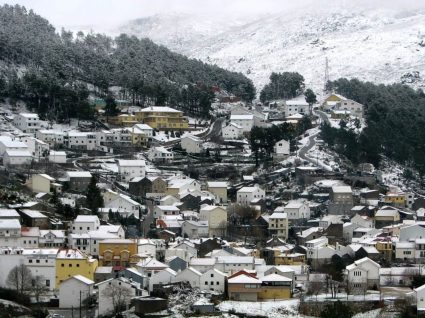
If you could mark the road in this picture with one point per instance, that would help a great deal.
(323, 116)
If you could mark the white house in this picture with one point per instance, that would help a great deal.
(281, 148)
(124, 205)
(73, 290)
(81, 140)
(107, 289)
(146, 247)
(7, 143)
(190, 275)
(142, 129)
(293, 107)
(420, 298)
(17, 158)
(129, 169)
(191, 144)
(213, 280)
(85, 223)
(216, 216)
(246, 122)
(52, 137)
(362, 221)
(363, 274)
(163, 277)
(232, 131)
(195, 229)
(160, 155)
(57, 156)
(352, 106)
(161, 210)
(278, 224)
(27, 122)
(247, 194)
(297, 209)
(38, 148)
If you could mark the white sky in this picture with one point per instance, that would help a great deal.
(107, 13)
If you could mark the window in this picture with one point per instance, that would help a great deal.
(212, 275)
(47, 282)
(30, 261)
(70, 265)
(78, 265)
(206, 283)
(62, 265)
(37, 261)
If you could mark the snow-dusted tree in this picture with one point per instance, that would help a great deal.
(119, 295)
(19, 279)
(38, 287)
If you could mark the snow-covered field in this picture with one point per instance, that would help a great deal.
(381, 42)
(276, 309)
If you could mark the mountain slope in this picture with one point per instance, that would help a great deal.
(370, 44)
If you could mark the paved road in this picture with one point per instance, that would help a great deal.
(323, 116)
(303, 151)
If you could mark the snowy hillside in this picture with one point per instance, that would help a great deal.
(375, 44)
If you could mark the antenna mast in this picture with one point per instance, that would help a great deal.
(326, 73)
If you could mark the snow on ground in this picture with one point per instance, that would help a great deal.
(306, 139)
(163, 137)
(323, 158)
(276, 309)
(368, 314)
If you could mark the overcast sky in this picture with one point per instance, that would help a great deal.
(109, 13)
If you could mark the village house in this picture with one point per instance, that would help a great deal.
(297, 210)
(17, 158)
(281, 149)
(219, 189)
(53, 138)
(191, 143)
(293, 107)
(246, 195)
(27, 122)
(85, 223)
(129, 169)
(78, 180)
(81, 140)
(146, 186)
(362, 275)
(74, 290)
(160, 155)
(278, 225)
(341, 200)
(7, 143)
(195, 229)
(190, 275)
(246, 121)
(386, 216)
(353, 107)
(57, 156)
(71, 262)
(232, 131)
(164, 277)
(38, 149)
(243, 287)
(43, 183)
(216, 216)
(162, 118)
(118, 253)
(141, 134)
(178, 185)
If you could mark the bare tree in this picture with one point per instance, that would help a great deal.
(38, 287)
(314, 288)
(119, 296)
(19, 279)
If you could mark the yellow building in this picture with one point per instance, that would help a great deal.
(162, 118)
(126, 120)
(119, 253)
(290, 259)
(275, 286)
(395, 199)
(386, 249)
(70, 262)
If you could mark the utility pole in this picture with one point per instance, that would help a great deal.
(326, 73)
(80, 304)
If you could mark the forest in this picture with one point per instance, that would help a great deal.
(53, 72)
(395, 119)
(284, 85)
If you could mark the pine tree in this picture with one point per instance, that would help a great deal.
(94, 199)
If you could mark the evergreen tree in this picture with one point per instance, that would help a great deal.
(310, 97)
(94, 198)
(110, 106)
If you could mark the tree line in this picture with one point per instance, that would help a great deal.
(51, 71)
(395, 119)
(262, 140)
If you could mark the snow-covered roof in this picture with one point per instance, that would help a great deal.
(275, 278)
(9, 224)
(159, 109)
(241, 117)
(294, 204)
(33, 213)
(248, 189)
(217, 184)
(86, 218)
(28, 115)
(83, 279)
(8, 213)
(341, 189)
(244, 279)
(18, 153)
(70, 253)
(279, 215)
(78, 174)
(131, 163)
